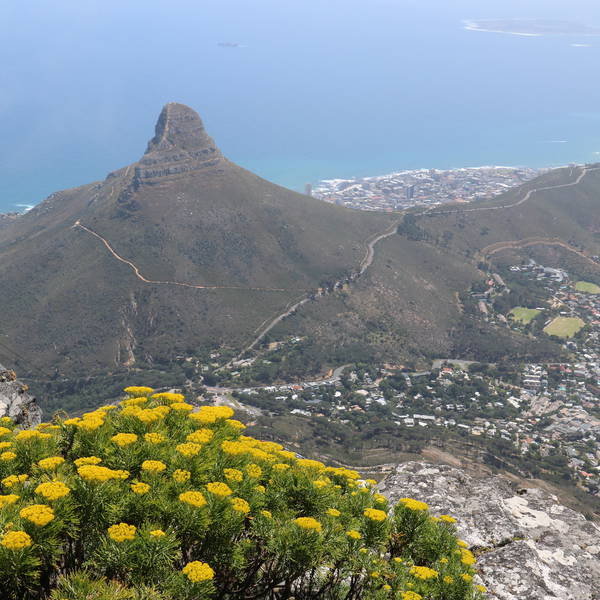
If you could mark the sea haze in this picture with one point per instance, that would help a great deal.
(294, 90)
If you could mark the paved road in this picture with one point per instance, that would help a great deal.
(526, 242)
(333, 379)
(584, 172)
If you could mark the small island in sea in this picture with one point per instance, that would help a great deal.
(530, 27)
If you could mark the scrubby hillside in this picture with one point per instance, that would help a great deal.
(181, 250)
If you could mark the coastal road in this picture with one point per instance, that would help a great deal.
(528, 195)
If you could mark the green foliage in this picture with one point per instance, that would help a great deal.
(156, 500)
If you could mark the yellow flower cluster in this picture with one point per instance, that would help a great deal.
(240, 505)
(193, 498)
(140, 488)
(146, 415)
(374, 514)
(307, 463)
(423, 572)
(168, 397)
(38, 514)
(253, 471)
(200, 436)
(184, 406)
(92, 420)
(52, 490)
(16, 540)
(8, 499)
(14, 480)
(155, 438)
(124, 439)
(50, 463)
(412, 504)
(309, 523)
(211, 414)
(188, 449)
(244, 487)
(87, 460)
(138, 390)
(447, 519)
(157, 533)
(121, 532)
(153, 466)
(197, 571)
(233, 475)
(100, 474)
(219, 489)
(31, 434)
(8, 455)
(181, 475)
(134, 401)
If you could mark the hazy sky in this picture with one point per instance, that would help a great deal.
(83, 81)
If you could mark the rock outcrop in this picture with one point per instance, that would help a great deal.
(16, 402)
(529, 546)
(180, 145)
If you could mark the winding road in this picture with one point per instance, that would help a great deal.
(364, 265)
(584, 172)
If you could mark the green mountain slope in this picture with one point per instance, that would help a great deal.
(183, 214)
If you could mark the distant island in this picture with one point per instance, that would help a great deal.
(229, 44)
(530, 27)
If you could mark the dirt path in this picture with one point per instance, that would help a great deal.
(141, 277)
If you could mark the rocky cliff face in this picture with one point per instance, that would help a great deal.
(15, 402)
(529, 546)
(180, 145)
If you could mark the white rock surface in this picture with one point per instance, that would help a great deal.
(16, 402)
(529, 546)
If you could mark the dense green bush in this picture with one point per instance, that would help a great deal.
(157, 500)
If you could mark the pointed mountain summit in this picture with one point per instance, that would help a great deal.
(180, 144)
(180, 251)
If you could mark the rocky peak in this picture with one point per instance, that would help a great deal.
(529, 545)
(180, 144)
(16, 402)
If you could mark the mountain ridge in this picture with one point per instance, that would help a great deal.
(182, 214)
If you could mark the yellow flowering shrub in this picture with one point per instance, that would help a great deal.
(157, 499)
(52, 490)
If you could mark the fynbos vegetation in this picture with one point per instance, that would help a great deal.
(154, 499)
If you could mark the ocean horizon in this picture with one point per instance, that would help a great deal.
(295, 93)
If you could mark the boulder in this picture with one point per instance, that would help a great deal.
(528, 545)
(16, 402)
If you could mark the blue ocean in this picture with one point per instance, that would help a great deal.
(295, 90)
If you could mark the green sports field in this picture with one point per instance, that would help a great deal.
(586, 286)
(524, 315)
(564, 327)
